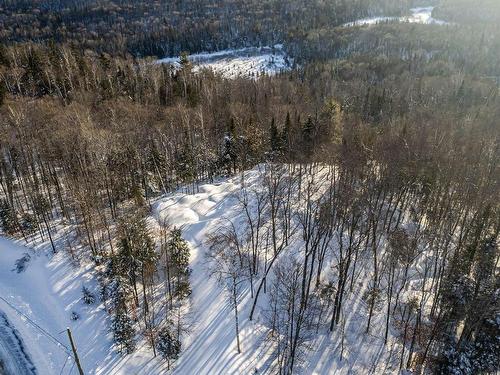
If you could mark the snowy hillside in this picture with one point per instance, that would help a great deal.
(211, 347)
(298, 187)
(38, 303)
(246, 275)
(48, 291)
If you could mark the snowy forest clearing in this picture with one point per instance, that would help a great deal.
(421, 15)
(245, 62)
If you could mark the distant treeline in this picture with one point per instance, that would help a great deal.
(166, 27)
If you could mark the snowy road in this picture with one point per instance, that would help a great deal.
(14, 360)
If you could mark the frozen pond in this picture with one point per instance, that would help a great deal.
(421, 15)
(244, 62)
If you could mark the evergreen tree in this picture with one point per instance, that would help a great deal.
(3, 93)
(168, 345)
(28, 223)
(34, 74)
(308, 137)
(285, 135)
(123, 330)
(8, 219)
(275, 139)
(119, 292)
(178, 252)
(88, 296)
(186, 163)
(229, 157)
(136, 252)
(472, 301)
(185, 62)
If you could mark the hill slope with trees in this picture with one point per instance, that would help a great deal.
(381, 155)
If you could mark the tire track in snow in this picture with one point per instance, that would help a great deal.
(14, 360)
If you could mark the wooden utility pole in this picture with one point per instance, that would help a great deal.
(75, 353)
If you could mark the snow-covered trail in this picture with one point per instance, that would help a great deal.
(30, 293)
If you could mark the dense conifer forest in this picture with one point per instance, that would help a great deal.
(164, 28)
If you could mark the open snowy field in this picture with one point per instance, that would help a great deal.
(244, 62)
(422, 15)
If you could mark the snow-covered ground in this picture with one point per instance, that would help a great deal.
(245, 62)
(45, 295)
(251, 62)
(421, 15)
(210, 348)
(49, 290)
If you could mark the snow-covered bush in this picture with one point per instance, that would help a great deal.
(88, 296)
(8, 218)
(22, 263)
